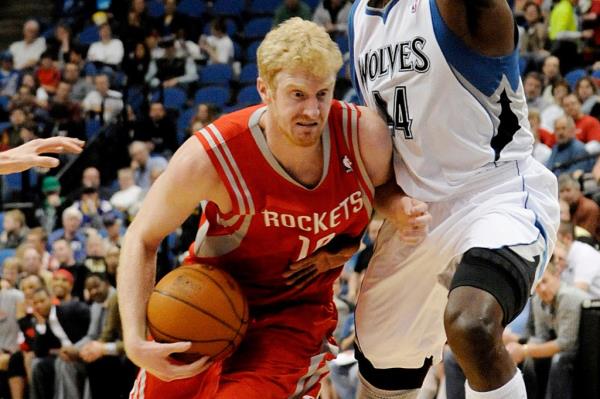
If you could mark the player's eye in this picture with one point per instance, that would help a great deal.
(297, 94)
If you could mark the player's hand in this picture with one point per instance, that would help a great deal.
(300, 273)
(27, 155)
(412, 220)
(516, 352)
(155, 358)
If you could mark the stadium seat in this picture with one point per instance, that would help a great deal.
(238, 54)
(248, 74)
(251, 51)
(216, 95)
(312, 3)
(191, 8)
(215, 74)
(4, 125)
(596, 74)
(173, 97)
(233, 108)
(228, 7)
(92, 127)
(4, 100)
(230, 27)
(342, 42)
(155, 8)
(89, 35)
(248, 95)
(257, 28)
(183, 121)
(263, 7)
(573, 76)
(13, 181)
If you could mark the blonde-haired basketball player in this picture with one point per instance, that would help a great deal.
(285, 181)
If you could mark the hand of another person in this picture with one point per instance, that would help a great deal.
(302, 272)
(170, 83)
(27, 155)
(92, 351)
(68, 353)
(4, 357)
(587, 34)
(516, 352)
(412, 220)
(155, 358)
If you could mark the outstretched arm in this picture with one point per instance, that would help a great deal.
(189, 178)
(27, 155)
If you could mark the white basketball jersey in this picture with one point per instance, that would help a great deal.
(453, 113)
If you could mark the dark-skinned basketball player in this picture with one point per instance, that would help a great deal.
(444, 74)
(280, 181)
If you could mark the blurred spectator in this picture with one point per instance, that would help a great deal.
(546, 137)
(588, 127)
(172, 22)
(95, 250)
(14, 229)
(49, 212)
(333, 15)
(77, 56)
(66, 117)
(534, 37)
(137, 26)
(57, 329)
(551, 73)
(9, 77)
(583, 211)
(26, 97)
(26, 53)
(560, 88)
(10, 137)
(549, 353)
(90, 178)
(587, 92)
(112, 263)
(129, 193)
(10, 272)
(37, 238)
(171, 70)
(114, 233)
(136, 64)
(105, 103)
(218, 45)
(107, 51)
(32, 263)
(289, 9)
(204, 116)
(92, 207)
(532, 85)
(60, 44)
(80, 87)
(71, 221)
(541, 152)
(61, 286)
(47, 73)
(142, 163)
(158, 130)
(563, 24)
(61, 250)
(569, 154)
(10, 299)
(582, 267)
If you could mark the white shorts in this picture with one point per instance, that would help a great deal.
(399, 317)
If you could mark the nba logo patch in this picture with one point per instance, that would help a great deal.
(347, 164)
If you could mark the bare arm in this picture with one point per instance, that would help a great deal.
(27, 155)
(486, 26)
(189, 178)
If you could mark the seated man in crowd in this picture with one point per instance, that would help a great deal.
(549, 353)
(584, 211)
(569, 154)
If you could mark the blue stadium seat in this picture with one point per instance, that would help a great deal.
(230, 27)
(228, 7)
(233, 108)
(596, 74)
(183, 121)
(215, 74)
(92, 127)
(4, 100)
(248, 74)
(237, 51)
(173, 97)
(89, 35)
(312, 3)
(248, 95)
(257, 28)
(192, 8)
(13, 181)
(573, 76)
(263, 7)
(342, 42)
(4, 125)
(155, 8)
(216, 95)
(251, 51)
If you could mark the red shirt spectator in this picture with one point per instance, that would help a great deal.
(588, 127)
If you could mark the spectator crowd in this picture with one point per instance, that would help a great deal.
(136, 78)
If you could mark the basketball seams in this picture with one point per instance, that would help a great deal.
(211, 278)
(196, 308)
(179, 339)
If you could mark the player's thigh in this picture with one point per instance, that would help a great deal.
(201, 386)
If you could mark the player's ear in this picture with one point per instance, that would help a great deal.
(263, 90)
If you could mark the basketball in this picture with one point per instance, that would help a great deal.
(201, 304)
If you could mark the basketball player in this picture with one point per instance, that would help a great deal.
(27, 155)
(444, 74)
(282, 180)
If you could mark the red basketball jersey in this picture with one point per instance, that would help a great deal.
(276, 221)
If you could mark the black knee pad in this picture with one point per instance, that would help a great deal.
(393, 379)
(502, 273)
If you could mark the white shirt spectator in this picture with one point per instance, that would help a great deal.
(541, 152)
(223, 48)
(583, 263)
(23, 53)
(124, 199)
(110, 52)
(113, 104)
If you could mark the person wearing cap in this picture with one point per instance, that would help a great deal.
(62, 286)
(549, 353)
(48, 213)
(92, 207)
(171, 70)
(9, 77)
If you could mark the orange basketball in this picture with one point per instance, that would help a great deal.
(201, 304)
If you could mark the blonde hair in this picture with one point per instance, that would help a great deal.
(17, 216)
(298, 44)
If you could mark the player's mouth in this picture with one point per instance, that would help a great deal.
(308, 124)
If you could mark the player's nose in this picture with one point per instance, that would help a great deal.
(311, 108)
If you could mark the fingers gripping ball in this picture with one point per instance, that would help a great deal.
(200, 304)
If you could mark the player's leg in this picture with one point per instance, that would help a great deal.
(490, 288)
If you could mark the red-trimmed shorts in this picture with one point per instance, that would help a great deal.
(282, 356)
